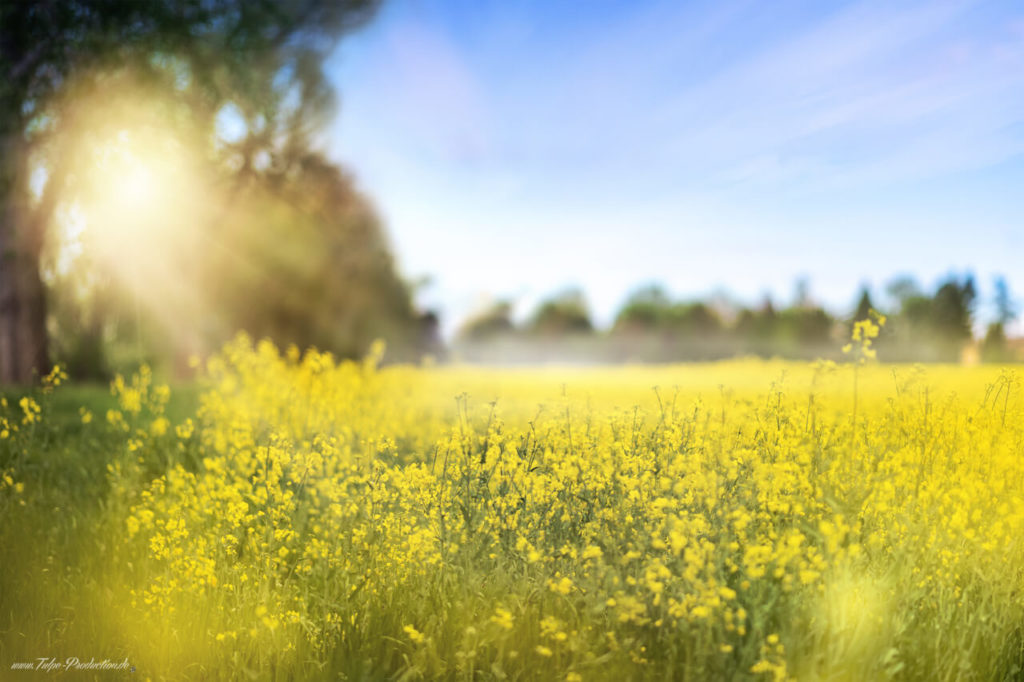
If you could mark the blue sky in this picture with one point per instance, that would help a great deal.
(516, 149)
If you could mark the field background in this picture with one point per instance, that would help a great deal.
(296, 518)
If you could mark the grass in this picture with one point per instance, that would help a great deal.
(53, 598)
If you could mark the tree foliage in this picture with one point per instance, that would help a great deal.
(319, 266)
(277, 238)
(492, 323)
(653, 327)
(564, 314)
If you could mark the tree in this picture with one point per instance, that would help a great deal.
(1006, 308)
(903, 288)
(951, 314)
(802, 293)
(757, 329)
(494, 322)
(311, 250)
(933, 327)
(864, 305)
(644, 312)
(209, 53)
(994, 347)
(564, 314)
(807, 328)
(692, 320)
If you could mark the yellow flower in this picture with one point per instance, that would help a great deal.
(563, 586)
(502, 618)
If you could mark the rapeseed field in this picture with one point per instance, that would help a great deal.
(313, 519)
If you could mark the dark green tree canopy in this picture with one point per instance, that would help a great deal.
(864, 305)
(644, 311)
(694, 319)
(491, 323)
(563, 314)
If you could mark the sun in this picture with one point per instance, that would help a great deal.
(131, 188)
(135, 200)
(133, 218)
(136, 186)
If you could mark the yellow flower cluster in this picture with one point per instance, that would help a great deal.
(862, 338)
(456, 523)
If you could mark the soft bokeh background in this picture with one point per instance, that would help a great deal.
(509, 183)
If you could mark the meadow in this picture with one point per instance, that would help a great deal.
(293, 517)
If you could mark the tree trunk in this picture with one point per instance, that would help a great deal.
(24, 355)
(9, 309)
(33, 346)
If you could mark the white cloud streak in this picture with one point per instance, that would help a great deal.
(514, 150)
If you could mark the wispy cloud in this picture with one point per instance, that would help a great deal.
(664, 136)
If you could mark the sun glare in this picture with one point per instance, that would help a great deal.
(130, 192)
(134, 217)
(139, 200)
(137, 188)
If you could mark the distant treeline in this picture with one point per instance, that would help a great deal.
(652, 327)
